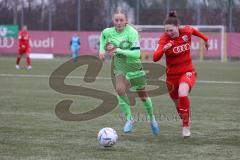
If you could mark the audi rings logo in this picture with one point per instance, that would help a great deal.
(6, 42)
(181, 48)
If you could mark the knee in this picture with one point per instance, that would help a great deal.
(143, 95)
(182, 93)
(183, 90)
(120, 90)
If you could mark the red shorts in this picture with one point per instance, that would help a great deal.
(23, 49)
(173, 83)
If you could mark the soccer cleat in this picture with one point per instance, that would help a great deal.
(29, 67)
(186, 132)
(154, 127)
(128, 126)
(17, 67)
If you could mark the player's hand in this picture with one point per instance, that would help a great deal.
(109, 47)
(102, 57)
(207, 45)
(23, 46)
(112, 52)
(167, 46)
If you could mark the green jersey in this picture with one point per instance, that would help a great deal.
(127, 57)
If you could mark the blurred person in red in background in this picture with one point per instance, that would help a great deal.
(180, 73)
(23, 47)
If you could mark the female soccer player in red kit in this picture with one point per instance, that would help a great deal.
(175, 44)
(24, 47)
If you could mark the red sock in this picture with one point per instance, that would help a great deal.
(178, 110)
(18, 60)
(184, 109)
(28, 61)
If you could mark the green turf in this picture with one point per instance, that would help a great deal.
(29, 128)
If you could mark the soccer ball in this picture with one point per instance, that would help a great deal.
(107, 137)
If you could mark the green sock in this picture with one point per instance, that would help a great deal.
(123, 103)
(149, 108)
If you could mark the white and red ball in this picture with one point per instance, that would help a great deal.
(107, 137)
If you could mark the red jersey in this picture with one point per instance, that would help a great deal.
(178, 57)
(23, 38)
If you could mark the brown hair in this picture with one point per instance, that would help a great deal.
(172, 18)
(120, 11)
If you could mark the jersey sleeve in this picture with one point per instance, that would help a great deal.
(102, 42)
(20, 36)
(134, 50)
(199, 34)
(158, 53)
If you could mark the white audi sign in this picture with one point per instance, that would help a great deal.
(6, 42)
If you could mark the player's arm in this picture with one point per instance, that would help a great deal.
(102, 43)
(159, 51)
(199, 34)
(20, 36)
(134, 50)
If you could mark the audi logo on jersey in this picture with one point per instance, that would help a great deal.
(181, 48)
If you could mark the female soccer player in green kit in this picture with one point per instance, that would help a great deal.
(122, 42)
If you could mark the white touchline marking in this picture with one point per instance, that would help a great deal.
(107, 78)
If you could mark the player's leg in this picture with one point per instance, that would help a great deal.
(18, 59)
(147, 103)
(184, 107)
(74, 54)
(186, 83)
(72, 51)
(28, 60)
(77, 53)
(183, 102)
(138, 81)
(173, 85)
(123, 102)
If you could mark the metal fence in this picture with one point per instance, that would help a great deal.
(94, 15)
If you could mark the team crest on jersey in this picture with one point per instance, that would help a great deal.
(189, 74)
(185, 38)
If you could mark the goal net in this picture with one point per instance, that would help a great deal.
(217, 51)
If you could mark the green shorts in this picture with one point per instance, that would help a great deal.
(136, 79)
(133, 72)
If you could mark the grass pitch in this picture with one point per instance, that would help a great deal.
(29, 128)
